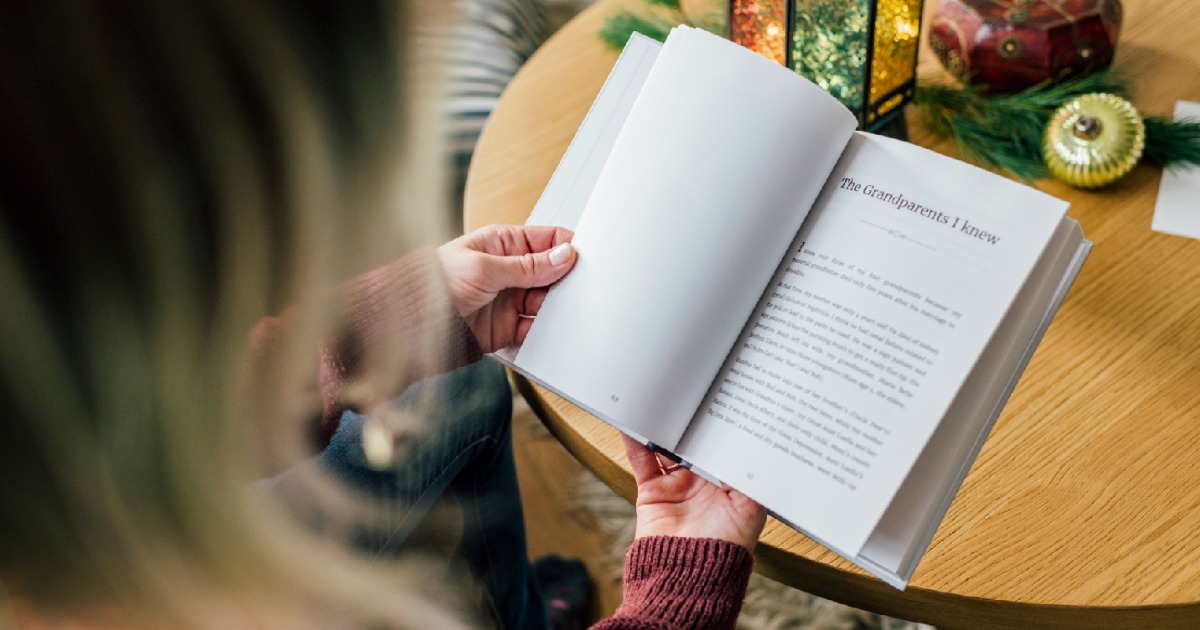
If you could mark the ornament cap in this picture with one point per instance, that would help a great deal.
(1088, 127)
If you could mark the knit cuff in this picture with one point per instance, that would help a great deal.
(686, 582)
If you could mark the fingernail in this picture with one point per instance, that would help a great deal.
(560, 254)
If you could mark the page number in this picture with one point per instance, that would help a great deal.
(750, 476)
(615, 398)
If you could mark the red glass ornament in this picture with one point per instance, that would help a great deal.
(1009, 45)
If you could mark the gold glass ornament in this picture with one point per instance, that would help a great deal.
(1094, 140)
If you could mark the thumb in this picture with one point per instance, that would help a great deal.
(641, 460)
(534, 270)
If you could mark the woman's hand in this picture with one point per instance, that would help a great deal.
(677, 502)
(498, 277)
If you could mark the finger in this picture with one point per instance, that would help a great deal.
(743, 501)
(534, 298)
(531, 305)
(543, 237)
(523, 326)
(500, 240)
(641, 459)
(531, 270)
(505, 321)
(516, 240)
(538, 238)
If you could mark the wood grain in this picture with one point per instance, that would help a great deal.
(1083, 509)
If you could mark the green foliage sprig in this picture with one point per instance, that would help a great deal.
(1172, 143)
(661, 16)
(1004, 132)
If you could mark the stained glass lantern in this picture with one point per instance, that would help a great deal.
(863, 52)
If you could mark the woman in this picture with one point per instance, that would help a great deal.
(174, 174)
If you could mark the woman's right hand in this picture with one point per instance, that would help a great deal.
(677, 502)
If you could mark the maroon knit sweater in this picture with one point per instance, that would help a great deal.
(670, 582)
(675, 582)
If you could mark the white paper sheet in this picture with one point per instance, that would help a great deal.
(1178, 208)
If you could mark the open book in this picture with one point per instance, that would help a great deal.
(827, 320)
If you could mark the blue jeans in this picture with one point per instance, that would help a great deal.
(462, 449)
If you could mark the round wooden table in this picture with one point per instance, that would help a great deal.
(1083, 509)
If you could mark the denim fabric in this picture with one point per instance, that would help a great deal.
(461, 447)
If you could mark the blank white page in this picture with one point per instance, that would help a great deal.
(711, 175)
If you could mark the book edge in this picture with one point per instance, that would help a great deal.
(913, 558)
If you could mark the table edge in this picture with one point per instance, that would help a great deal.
(864, 591)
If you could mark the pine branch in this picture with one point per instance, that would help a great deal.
(618, 27)
(1172, 143)
(1004, 133)
(657, 24)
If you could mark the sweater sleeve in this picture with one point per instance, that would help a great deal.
(399, 327)
(673, 582)
(400, 310)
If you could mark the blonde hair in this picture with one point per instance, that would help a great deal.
(172, 172)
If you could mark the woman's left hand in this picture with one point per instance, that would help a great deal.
(498, 277)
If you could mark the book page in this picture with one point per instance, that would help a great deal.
(574, 179)
(568, 191)
(892, 289)
(711, 175)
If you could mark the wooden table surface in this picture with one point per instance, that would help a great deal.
(1083, 509)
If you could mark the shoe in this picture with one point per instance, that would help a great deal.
(567, 591)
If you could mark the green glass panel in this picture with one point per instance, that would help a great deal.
(829, 46)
